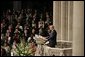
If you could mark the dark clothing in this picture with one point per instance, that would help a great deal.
(52, 38)
(41, 32)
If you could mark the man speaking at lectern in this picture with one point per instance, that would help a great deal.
(52, 36)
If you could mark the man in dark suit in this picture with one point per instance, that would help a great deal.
(52, 36)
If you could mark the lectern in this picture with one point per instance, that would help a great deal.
(40, 40)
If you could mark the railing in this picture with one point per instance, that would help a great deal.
(63, 48)
(48, 51)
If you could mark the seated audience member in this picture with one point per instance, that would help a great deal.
(13, 53)
(32, 43)
(7, 48)
(3, 52)
(41, 23)
(8, 37)
(25, 34)
(31, 39)
(16, 36)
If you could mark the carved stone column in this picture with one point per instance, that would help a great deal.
(57, 18)
(78, 28)
(70, 19)
(63, 20)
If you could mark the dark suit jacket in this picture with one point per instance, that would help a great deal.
(52, 38)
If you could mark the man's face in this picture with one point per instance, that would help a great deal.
(33, 31)
(1, 25)
(9, 27)
(7, 31)
(25, 31)
(16, 30)
(50, 27)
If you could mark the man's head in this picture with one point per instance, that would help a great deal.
(1, 25)
(51, 27)
(7, 31)
(33, 31)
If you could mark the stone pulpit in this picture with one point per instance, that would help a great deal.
(40, 40)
